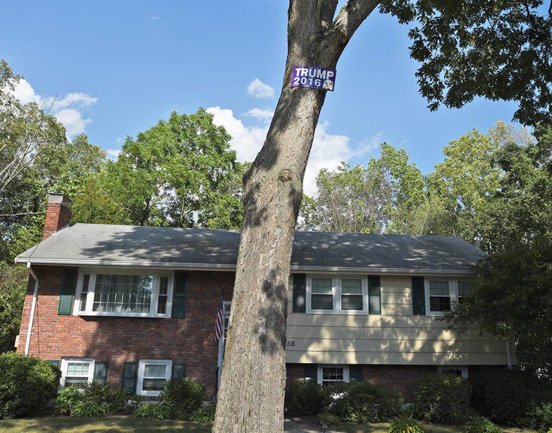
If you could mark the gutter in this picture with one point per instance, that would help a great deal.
(294, 268)
(33, 308)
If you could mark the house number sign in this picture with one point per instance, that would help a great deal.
(313, 77)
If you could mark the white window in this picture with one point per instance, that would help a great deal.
(76, 372)
(332, 374)
(124, 293)
(330, 294)
(439, 296)
(153, 374)
(460, 370)
(443, 294)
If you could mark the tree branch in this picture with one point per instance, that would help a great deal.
(351, 16)
(327, 10)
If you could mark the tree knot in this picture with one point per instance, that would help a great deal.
(285, 175)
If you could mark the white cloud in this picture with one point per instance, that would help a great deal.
(246, 141)
(369, 144)
(68, 110)
(259, 114)
(113, 153)
(328, 149)
(258, 89)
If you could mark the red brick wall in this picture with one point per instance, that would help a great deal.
(116, 340)
(401, 378)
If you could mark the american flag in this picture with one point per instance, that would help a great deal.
(219, 321)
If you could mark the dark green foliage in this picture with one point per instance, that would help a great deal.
(362, 403)
(481, 425)
(406, 424)
(26, 385)
(153, 410)
(182, 397)
(443, 398)
(540, 417)
(306, 398)
(13, 285)
(94, 400)
(204, 414)
(508, 396)
(492, 49)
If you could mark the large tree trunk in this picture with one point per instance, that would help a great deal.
(251, 396)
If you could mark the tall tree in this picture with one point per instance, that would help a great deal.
(450, 41)
(511, 297)
(183, 174)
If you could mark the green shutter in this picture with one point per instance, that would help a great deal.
(310, 372)
(179, 295)
(374, 294)
(67, 292)
(54, 362)
(356, 373)
(299, 293)
(418, 296)
(100, 372)
(130, 373)
(178, 371)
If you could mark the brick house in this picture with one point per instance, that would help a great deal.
(136, 306)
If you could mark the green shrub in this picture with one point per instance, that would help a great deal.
(405, 424)
(328, 418)
(306, 398)
(204, 414)
(508, 396)
(362, 403)
(26, 385)
(182, 397)
(540, 417)
(443, 398)
(481, 425)
(153, 410)
(93, 400)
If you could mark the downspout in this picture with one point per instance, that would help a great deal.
(508, 354)
(33, 307)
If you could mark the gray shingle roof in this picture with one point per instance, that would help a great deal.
(119, 245)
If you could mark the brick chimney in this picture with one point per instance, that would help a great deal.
(58, 214)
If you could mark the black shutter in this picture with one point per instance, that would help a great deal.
(374, 294)
(418, 296)
(100, 372)
(67, 292)
(178, 371)
(310, 372)
(299, 293)
(355, 373)
(179, 295)
(130, 373)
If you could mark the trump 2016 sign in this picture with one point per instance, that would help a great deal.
(313, 78)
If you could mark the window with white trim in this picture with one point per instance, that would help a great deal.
(337, 294)
(124, 293)
(443, 294)
(153, 374)
(76, 372)
(331, 374)
(439, 296)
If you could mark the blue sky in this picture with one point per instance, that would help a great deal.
(117, 67)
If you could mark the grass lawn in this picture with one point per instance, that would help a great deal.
(119, 424)
(428, 428)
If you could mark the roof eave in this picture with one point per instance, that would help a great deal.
(232, 267)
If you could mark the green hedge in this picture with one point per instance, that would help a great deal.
(443, 398)
(26, 385)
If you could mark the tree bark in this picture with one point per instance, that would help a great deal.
(251, 395)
